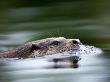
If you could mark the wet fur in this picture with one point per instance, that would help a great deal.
(40, 48)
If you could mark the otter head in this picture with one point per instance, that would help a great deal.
(50, 46)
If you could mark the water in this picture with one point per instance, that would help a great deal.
(93, 67)
(87, 20)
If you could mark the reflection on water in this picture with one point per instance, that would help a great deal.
(10, 40)
(92, 68)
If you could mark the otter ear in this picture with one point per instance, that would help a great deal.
(34, 47)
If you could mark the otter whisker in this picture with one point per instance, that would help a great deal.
(50, 34)
(58, 32)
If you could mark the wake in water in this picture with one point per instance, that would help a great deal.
(84, 50)
(44, 62)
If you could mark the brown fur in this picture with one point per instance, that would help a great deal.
(42, 47)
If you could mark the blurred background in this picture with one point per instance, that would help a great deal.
(22, 21)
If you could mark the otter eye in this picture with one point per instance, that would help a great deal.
(55, 43)
(75, 42)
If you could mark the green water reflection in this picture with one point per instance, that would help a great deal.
(87, 19)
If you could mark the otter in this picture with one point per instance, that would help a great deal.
(43, 47)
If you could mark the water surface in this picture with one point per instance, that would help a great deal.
(23, 21)
(92, 67)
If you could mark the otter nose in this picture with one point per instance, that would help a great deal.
(76, 42)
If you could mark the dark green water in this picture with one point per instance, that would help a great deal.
(89, 20)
